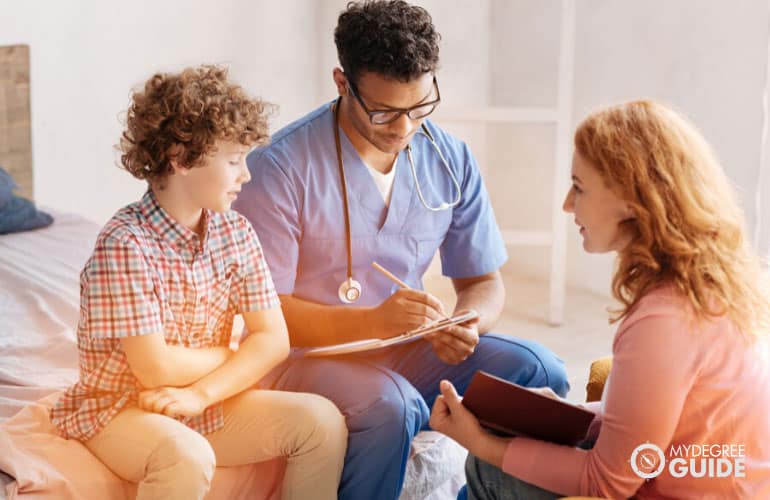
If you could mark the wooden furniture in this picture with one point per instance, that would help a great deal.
(15, 125)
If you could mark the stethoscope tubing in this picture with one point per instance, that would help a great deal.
(350, 289)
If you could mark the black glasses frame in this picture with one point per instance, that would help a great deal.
(398, 111)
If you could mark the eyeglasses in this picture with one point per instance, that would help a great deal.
(385, 116)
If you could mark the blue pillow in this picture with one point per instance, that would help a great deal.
(17, 213)
(7, 185)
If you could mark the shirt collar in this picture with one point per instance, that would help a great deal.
(159, 220)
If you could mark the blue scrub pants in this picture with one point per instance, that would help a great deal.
(386, 396)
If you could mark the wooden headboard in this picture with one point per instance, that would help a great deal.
(15, 125)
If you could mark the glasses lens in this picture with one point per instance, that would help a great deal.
(422, 111)
(383, 117)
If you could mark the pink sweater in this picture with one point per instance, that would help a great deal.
(669, 385)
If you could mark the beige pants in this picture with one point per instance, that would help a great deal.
(168, 460)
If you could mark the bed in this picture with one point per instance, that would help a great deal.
(39, 306)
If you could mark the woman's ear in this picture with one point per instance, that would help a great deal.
(628, 212)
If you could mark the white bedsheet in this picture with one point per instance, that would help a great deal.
(39, 305)
(39, 302)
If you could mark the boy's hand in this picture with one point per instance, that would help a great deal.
(450, 417)
(173, 401)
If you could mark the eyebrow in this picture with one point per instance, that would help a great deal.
(233, 152)
(575, 178)
(387, 106)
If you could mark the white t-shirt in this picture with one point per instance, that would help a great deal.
(384, 181)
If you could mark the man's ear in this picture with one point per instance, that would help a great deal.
(340, 81)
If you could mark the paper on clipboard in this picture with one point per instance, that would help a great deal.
(370, 344)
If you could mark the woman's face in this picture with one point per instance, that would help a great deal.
(598, 211)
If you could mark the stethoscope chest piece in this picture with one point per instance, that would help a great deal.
(349, 291)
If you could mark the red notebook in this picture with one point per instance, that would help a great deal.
(514, 410)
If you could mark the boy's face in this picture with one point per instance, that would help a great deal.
(216, 183)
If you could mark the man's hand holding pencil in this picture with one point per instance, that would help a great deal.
(408, 309)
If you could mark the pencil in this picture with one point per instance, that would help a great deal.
(392, 277)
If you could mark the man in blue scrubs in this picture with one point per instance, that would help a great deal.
(388, 52)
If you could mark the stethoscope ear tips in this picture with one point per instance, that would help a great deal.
(349, 291)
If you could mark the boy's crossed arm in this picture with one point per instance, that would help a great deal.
(185, 381)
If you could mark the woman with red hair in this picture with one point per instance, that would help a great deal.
(690, 372)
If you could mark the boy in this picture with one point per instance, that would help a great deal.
(161, 398)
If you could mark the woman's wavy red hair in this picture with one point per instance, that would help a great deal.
(688, 230)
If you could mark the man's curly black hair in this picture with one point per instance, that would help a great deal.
(389, 37)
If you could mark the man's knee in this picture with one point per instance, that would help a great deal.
(526, 362)
(398, 407)
(555, 373)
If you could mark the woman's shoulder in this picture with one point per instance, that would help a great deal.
(664, 300)
(666, 314)
(663, 311)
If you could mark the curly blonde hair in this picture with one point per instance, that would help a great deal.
(688, 229)
(179, 116)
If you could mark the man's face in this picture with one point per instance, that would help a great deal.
(381, 93)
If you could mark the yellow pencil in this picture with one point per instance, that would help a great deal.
(392, 277)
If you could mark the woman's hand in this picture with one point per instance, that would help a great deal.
(173, 401)
(450, 417)
(544, 391)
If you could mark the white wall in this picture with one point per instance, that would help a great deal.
(707, 58)
(86, 55)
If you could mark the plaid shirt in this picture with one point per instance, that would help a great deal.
(148, 274)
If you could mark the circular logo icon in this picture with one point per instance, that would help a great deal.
(647, 461)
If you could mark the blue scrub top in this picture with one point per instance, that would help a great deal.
(294, 201)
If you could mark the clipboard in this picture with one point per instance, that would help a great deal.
(410, 336)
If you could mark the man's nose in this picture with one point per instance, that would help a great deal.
(403, 125)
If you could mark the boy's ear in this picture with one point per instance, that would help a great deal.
(174, 153)
(178, 168)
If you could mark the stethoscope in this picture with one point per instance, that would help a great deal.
(350, 290)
